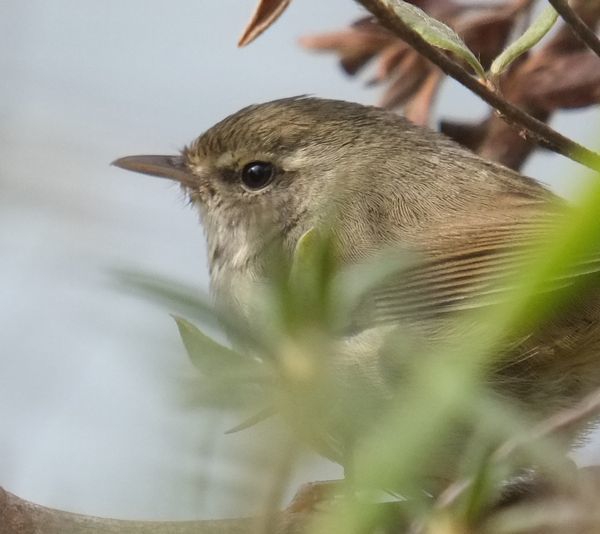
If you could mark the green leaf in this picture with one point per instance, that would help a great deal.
(353, 284)
(225, 393)
(214, 359)
(183, 298)
(445, 385)
(188, 300)
(306, 296)
(305, 254)
(436, 33)
(540, 27)
(253, 420)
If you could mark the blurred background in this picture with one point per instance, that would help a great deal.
(96, 390)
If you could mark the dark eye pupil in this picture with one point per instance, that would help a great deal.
(257, 174)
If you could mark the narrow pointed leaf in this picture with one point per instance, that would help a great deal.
(436, 33)
(258, 417)
(352, 284)
(540, 27)
(211, 357)
(304, 255)
(188, 300)
(265, 14)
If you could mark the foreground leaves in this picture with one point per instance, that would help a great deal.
(212, 358)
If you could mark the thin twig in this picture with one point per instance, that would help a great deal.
(528, 125)
(563, 421)
(581, 30)
(280, 479)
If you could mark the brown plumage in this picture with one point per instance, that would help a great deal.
(375, 180)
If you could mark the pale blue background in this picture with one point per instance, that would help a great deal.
(93, 382)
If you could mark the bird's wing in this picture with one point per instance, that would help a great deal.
(469, 267)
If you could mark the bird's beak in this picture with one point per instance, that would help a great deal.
(171, 167)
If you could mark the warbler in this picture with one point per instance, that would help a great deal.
(278, 169)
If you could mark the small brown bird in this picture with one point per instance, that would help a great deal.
(276, 170)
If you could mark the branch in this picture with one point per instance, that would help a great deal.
(528, 125)
(18, 516)
(581, 30)
(563, 421)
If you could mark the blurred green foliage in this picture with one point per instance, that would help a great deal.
(295, 358)
(282, 363)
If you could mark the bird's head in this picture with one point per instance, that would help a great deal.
(270, 170)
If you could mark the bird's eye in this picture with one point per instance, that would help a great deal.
(257, 174)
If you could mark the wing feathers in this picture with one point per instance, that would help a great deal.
(468, 269)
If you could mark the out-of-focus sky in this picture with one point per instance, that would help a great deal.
(92, 414)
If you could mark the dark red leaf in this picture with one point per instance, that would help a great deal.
(418, 109)
(355, 47)
(567, 81)
(410, 74)
(390, 58)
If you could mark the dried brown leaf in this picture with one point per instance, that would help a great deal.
(354, 47)
(410, 74)
(558, 75)
(487, 33)
(565, 82)
(265, 14)
(503, 143)
(418, 109)
(389, 60)
(485, 28)
(468, 134)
